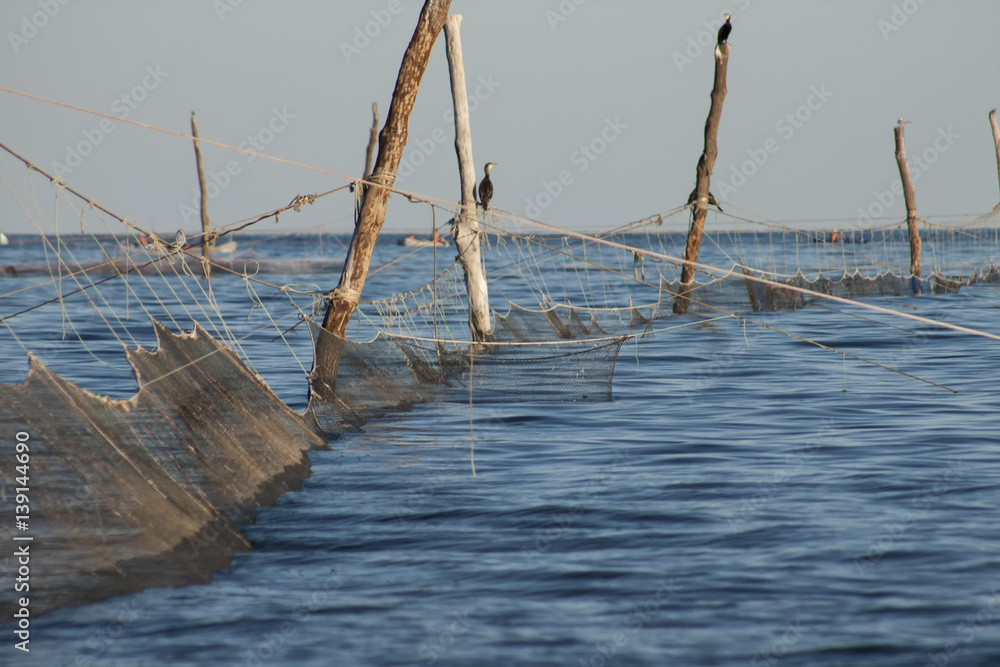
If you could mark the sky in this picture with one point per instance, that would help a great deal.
(594, 110)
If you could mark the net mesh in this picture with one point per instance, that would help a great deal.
(392, 371)
(146, 491)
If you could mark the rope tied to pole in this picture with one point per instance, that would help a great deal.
(346, 294)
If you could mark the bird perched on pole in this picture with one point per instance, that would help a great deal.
(486, 187)
(693, 197)
(903, 122)
(724, 31)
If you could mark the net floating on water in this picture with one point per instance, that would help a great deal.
(392, 372)
(146, 491)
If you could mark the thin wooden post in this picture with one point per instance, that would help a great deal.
(996, 144)
(466, 227)
(344, 299)
(703, 179)
(206, 242)
(911, 202)
(372, 140)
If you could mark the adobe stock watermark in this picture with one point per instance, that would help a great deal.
(544, 538)
(786, 126)
(581, 158)
(272, 643)
(884, 199)
(900, 14)
(417, 497)
(32, 25)
(708, 374)
(217, 181)
(632, 623)
(101, 639)
(967, 630)
(424, 148)
(223, 7)
(779, 647)
(795, 462)
(122, 107)
(562, 12)
(438, 644)
(704, 41)
(363, 35)
(894, 532)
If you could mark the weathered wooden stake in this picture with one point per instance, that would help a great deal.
(206, 242)
(911, 202)
(372, 140)
(704, 176)
(344, 299)
(996, 144)
(466, 227)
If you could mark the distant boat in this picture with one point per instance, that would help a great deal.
(226, 248)
(839, 237)
(3, 239)
(412, 242)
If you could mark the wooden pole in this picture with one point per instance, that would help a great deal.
(996, 144)
(344, 299)
(703, 179)
(466, 227)
(206, 242)
(372, 140)
(911, 202)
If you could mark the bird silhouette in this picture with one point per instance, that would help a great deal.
(486, 187)
(724, 31)
(693, 197)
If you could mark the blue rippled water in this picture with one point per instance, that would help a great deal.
(745, 499)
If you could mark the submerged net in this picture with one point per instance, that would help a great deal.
(392, 371)
(147, 491)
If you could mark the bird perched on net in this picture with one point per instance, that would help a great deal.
(724, 31)
(693, 197)
(486, 187)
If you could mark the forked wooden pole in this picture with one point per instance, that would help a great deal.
(344, 299)
(704, 176)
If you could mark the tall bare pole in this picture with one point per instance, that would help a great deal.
(911, 201)
(372, 140)
(466, 227)
(344, 299)
(996, 144)
(206, 245)
(703, 178)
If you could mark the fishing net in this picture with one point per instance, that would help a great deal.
(142, 492)
(392, 372)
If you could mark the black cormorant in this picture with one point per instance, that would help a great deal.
(711, 199)
(724, 31)
(486, 188)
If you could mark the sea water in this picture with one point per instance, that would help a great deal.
(746, 498)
